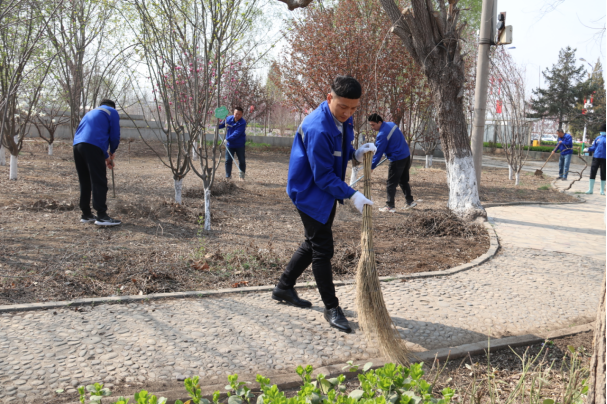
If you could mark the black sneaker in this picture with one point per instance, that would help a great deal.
(90, 218)
(107, 221)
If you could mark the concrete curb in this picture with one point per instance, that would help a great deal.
(494, 246)
(284, 381)
(495, 205)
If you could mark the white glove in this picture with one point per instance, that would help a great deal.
(368, 147)
(359, 200)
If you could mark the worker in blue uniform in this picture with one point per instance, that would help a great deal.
(98, 130)
(565, 147)
(236, 138)
(598, 161)
(316, 183)
(391, 141)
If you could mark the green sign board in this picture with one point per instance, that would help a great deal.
(221, 112)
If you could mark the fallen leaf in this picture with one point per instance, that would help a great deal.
(200, 265)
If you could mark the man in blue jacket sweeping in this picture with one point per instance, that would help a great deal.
(390, 140)
(565, 146)
(598, 161)
(316, 182)
(235, 141)
(98, 130)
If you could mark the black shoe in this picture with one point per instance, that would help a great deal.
(337, 319)
(107, 221)
(90, 218)
(289, 296)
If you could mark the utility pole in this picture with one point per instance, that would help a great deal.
(482, 77)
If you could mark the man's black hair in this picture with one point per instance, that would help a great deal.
(560, 131)
(108, 102)
(347, 87)
(602, 128)
(375, 118)
(239, 109)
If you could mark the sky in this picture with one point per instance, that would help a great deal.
(539, 34)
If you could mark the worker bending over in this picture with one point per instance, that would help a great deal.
(391, 141)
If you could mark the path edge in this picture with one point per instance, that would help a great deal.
(284, 381)
(493, 248)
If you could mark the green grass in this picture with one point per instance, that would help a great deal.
(544, 188)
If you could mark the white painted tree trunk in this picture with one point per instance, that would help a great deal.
(50, 149)
(463, 192)
(429, 160)
(13, 169)
(2, 156)
(356, 173)
(178, 188)
(510, 172)
(194, 153)
(517, 178)
(207, 209)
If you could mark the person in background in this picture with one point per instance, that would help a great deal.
(236, 138)
(98, 130)
(321, 150)
(598, 160)
(391, 141)
(565, 147)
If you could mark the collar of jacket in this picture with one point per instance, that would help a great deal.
(329, 123)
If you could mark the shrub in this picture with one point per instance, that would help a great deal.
(389, 384)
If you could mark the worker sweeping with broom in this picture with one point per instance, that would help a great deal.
(321, 150)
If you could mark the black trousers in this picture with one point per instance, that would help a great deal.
(596, 164)
(317, 250)
(398, 174)
(90, 165)
(237, 152)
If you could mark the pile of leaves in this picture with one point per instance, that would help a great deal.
(440, 223)
(219, 188)
(51, 204)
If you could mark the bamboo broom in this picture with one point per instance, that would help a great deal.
(373, 316)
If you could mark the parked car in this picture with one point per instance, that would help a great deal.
(549, 138)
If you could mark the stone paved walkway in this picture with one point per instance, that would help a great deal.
(530, 286)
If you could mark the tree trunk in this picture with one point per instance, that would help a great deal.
(2, 156)
(50, 149)
(355, 174)
(194, 152)
(596, 382)
(13, 169)
(517, 178)
(510, 172)
(429, 160)
(207, 208)
(178, 187)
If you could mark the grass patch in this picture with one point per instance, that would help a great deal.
(544, 187)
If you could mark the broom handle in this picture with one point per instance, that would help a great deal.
(549, 157)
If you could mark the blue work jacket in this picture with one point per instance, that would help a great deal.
(236, 136)
(390, 140)
(566, 146)
(598, 147)
(317, 167)
(100, 127)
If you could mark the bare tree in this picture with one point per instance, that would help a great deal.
(87, 54)
(24, 64)
(185, 47)
(51, 113)
(509, 108)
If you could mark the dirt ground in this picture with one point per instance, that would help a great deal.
(47, 254)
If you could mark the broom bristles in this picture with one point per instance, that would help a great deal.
(373, 317)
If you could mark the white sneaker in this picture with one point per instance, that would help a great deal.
(410, 205)
(387, 209)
